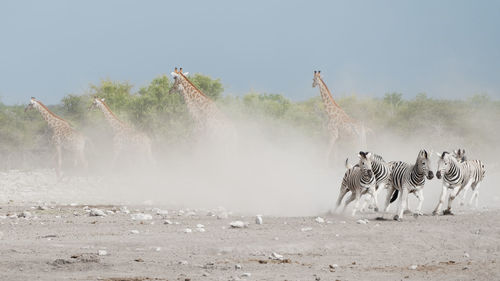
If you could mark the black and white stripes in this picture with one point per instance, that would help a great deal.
(359, 180)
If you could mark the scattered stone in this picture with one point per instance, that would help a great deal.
(199, 229)
(102, 253)
(42, 208)
(222, 215)
(161, 212)
(237, 266)
(25, 215)
(276, 256)
(183, 262)
(158, 249)
(187, 230)
(97, 213)
(167, 222)
(205, 274)
(139, 260)
(109, 212)
(246, 274)
(141, 217)
(466, 255)
(365, 221)
(134, 231)
(258, 219)
(319, 220)
(304, 229)
(238, 224)
(413, 267)
(210, 214)
(200, 225)
(333, 266)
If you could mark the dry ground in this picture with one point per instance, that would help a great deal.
(62, 243)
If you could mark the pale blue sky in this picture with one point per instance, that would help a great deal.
(444, 48)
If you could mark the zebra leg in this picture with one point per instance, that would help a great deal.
(475, 194)
(441, 201)
(407, 208)
(402, 204)
(374, 199)
(349, 200)
(390, 191)
(342, 193)
(451, 197)
(420, 196)
(356, 205)
(464, 195)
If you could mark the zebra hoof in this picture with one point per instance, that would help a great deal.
(397, 218)
(448, 212)
(375, 209)
(417, 214)
(434, 213)
(407, 212)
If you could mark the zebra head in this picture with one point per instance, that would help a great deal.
(444, 164)
(365, 163)
(423, 164)
(459, 154)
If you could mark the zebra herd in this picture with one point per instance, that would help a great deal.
(372, 174)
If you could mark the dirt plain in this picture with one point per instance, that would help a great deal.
(50, 240)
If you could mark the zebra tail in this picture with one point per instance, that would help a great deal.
(394, 195)
(347, 164)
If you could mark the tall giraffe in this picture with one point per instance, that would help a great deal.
(209, 120)
(63, 135)
(338, 121)
(125, 138)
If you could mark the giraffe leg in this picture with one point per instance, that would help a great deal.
(331, 145)
(58, 161)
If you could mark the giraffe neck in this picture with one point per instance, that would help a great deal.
(51, 118)
(115, 123)
(333, 110)
(197, 102)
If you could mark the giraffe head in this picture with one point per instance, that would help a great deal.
(96, 102)
(33, 103)
(316, 78)
(177, 86)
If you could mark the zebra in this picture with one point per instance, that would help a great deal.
(382, 170)
(359, 180)
(406, 178)
(458, 176)
(459, 154)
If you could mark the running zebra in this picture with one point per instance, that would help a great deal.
(382, 171)
(406, 178)
(458, 176)
(358, 180)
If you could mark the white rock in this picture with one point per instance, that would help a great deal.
(42, 208)
(276, 256)
(222, 215)
(109, 212)
(158, 249)
(246, 274)
(200, 225)
(73, 204)
(183, 262)
(334, 265)
(258, 219)
(161, 212)
(466, 255)
(237, 266)
(210, 214)
(141, 217)
(304, 229)
(238, 224)
(134, 231)
(167, 222)
(319, 220)
(102, 252)
(25, 214)
(188, 230)
(413, 267)
(199, 229)
(361, 222)
(97, 213)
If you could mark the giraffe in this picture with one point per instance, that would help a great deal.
(124, 136)
(338, 120)
(63, 135)
(209, 120)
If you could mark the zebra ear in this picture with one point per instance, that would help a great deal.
(362, 154)
(369, 155)
(437, 154)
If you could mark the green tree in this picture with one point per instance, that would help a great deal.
(210, 87)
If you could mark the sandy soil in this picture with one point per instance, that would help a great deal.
(42, 239)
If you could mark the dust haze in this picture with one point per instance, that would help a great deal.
(275, 169)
